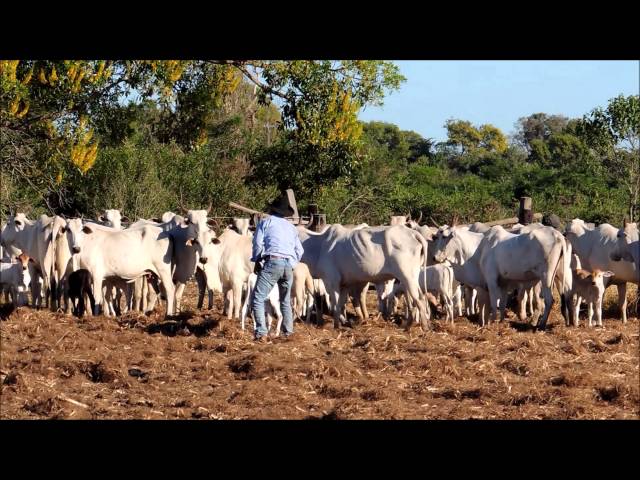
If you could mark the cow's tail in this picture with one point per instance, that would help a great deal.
(567, 277)
(308, 282)
(564, 262)
(423, 269)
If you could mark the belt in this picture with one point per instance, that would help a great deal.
(269, 257)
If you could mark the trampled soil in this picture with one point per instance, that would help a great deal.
(137, 367)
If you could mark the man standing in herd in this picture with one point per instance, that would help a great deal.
(276, 243)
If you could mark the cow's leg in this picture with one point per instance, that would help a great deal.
(599, 310)
(179, 291)
(118, 297)
(448, 301)
(363, 302)
(548, 303)
(590, 314)
(164, 272)
(98, 278)
(522, 302)
(202, 286)
(309, 303)
(482, 297)
(339, 302)
(279, 316)
(237, 299)
(318, 301)
(622, 301)
(575, 310)
(35, 289)
(503, 303)
(413, 290)
(248, 300)
(494, 298)
(53, 294)
(470, 299)
(152, 293)
(128, 296)
(81, 305)
(457, 300)
(137, 293)
(228, 295)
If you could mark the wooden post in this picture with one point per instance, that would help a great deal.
(525, 214)
(292, 202)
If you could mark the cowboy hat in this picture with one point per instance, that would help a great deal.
(281, 207)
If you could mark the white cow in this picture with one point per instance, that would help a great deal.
(344, 258)
(509, 259)
(127, 254)
(63, 263)
(226, 265)
(184, 234)
(33, 237)
(460, 247)
(599, 248)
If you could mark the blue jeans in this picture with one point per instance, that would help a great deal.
(276, 270)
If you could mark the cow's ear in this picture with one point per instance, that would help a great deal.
(215, 241)
(86, 229)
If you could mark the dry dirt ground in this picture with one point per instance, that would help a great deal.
(138, 367)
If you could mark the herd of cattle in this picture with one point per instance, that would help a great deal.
(60, 260)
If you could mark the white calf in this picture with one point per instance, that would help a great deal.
(15, 278)
(588, 286)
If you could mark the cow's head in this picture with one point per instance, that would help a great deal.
(16, 223)
(206, 250)
(24, 277)
(628, 246)
(198, 226)
(113, 218)
(595, 278)
(167, 217)
(77, 231)
(575, 228)
(448, 247)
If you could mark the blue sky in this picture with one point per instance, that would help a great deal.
(500, 92)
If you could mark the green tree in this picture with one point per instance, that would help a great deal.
(538, 126)
(614, 134)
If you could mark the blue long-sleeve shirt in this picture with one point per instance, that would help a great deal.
(276, 236)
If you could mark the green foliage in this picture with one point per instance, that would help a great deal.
(614, 136)
(150, 136)
(539, 127)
